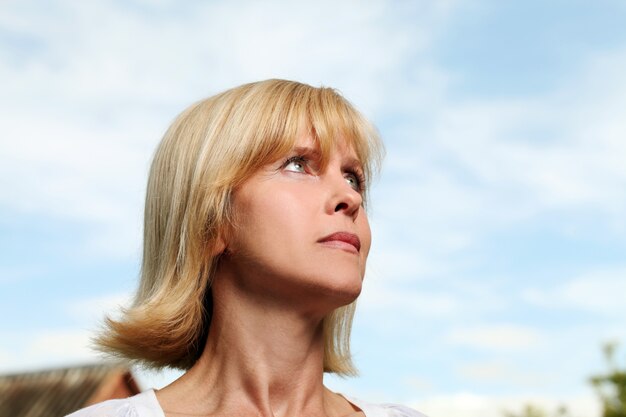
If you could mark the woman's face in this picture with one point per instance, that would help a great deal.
(302, 234)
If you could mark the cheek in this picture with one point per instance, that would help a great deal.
(265, 220)
(244, 224)
(366, 235)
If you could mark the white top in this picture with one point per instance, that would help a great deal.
(147, 405)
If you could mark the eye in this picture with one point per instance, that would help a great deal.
(296, 164)
(356, 180)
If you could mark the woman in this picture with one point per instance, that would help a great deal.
(255, 243)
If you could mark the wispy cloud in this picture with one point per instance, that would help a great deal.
(92, 310)
(85, 111)
(45, 349)
(502, 373)
(482, 164)
(498, 337)
(468, 404)
(600, 292)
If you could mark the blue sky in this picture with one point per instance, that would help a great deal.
(498, 266)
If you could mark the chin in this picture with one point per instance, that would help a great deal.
(322, 288)
(343, 290)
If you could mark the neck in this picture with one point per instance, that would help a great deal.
(260, 358)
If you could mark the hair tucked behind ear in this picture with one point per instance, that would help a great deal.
(212, 147)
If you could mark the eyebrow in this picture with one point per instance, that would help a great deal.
(308, 150)
(354, 162)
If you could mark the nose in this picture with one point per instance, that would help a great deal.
(344, 199)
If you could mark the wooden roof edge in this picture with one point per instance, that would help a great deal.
(112, 365)
(111, 383)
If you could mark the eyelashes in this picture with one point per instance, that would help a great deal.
(356, 179)
(301, 164)
(297, 163)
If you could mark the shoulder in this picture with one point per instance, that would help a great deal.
(140, 405)
(384, 410)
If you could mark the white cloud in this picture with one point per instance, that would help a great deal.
(495, 337)
(92, 310)
(469, 167)
(409, 303)
(204, 46)
(45, 349)
(419, 384)
(4, 356)
(600, 292)
(500, 372)
(401, 265)
(61, 344)
(469, 404)
(66, 346)
(87, 103)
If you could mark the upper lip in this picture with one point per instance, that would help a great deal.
(347, 237)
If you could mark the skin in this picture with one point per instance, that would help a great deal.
(275, 282)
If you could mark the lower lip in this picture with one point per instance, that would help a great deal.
(340, 244)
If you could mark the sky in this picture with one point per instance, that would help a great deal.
(498, 265)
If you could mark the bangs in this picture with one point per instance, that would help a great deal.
(278, 115)
(333, 120)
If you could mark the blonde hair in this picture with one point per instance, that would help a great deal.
(212, 147)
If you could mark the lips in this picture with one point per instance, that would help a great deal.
(343, 240)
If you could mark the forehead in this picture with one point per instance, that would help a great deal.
(339, 147)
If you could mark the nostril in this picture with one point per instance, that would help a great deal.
(341, 206)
